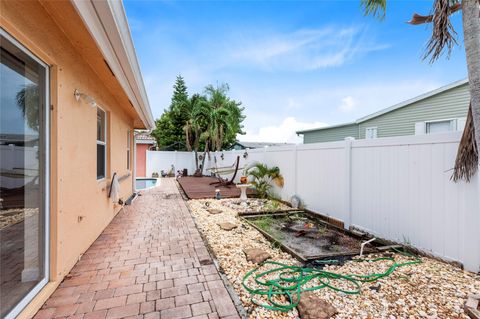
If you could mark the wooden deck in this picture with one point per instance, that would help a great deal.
(199, 188)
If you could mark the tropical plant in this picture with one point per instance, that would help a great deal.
(220, 117)
(261, 177)
(203, 116)
(227, 117)
(194, 127)
(210, 121)
(28, 100)
(444, 38)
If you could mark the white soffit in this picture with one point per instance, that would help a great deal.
(107, 23)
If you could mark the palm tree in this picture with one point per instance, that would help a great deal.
(235, 120)
(193, 126)
(202, 118)
(443, 38)
(228, 118)
(213, 120)
(28, 101)
(213, 116)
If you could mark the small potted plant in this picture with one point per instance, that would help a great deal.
(244, 177)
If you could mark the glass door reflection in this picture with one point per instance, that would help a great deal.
(23, 93)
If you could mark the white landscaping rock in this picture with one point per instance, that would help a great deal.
(432, 288)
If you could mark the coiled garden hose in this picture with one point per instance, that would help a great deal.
(289, 280)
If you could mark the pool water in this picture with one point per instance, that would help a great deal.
(142, 183)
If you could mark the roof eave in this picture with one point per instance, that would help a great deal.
(107, 23)
(145, 142)
(325, 127)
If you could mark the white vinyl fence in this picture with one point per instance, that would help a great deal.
(18, 159)
(395, 188)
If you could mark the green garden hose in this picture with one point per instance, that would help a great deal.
(289, 280)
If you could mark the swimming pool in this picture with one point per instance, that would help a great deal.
(143, 183)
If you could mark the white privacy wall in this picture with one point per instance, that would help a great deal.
(395, 188)
(401, 190)
(11, 158)
(158, 161)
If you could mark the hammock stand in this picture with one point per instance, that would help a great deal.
(219, 171)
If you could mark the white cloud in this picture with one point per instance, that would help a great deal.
(285, 132)
(348, 105)
(310, 49)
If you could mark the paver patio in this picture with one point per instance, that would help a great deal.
(150, 262)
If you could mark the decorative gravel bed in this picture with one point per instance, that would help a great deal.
(431, 289)
(254, 205)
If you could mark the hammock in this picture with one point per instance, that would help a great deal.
(224, 170)
(221, 171)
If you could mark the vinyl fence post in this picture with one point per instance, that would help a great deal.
(295, 169)
(348, 182)
(175, 163)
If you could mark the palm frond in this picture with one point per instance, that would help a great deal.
(262, 176)
(421, 19)
(466, 163)
(375, 8)
(443, 35)
(28, 100)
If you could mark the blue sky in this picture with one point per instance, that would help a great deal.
(293, 64)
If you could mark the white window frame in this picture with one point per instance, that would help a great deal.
(20, 306)
(453, 125)
(129, 153)
(104, 144)
(371, 128)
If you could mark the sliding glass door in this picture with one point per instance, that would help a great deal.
(23, 176)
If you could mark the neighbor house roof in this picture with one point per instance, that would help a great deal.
(107, 23)
(393, 107)
(144, 138)
(259, 144)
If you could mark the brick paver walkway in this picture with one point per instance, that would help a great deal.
(150, 262)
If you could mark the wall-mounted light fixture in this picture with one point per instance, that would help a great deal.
(87, 98)
(222, 156)
(245, 155)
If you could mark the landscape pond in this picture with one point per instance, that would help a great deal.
(306, 236)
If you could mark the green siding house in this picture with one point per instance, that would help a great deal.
(441, 110)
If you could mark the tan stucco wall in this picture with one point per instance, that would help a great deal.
(80, 209)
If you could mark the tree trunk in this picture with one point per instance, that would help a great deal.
(220, 139)
(471, 34)
(187, 139)
(204, 156)
(196, 159)
(196, 145)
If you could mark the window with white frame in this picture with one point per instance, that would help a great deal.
(101, 143)
(370, 132)
(440, 126)
(129, 142)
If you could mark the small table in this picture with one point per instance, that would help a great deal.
(243, 190)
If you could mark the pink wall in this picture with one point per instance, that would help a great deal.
(141, 159)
